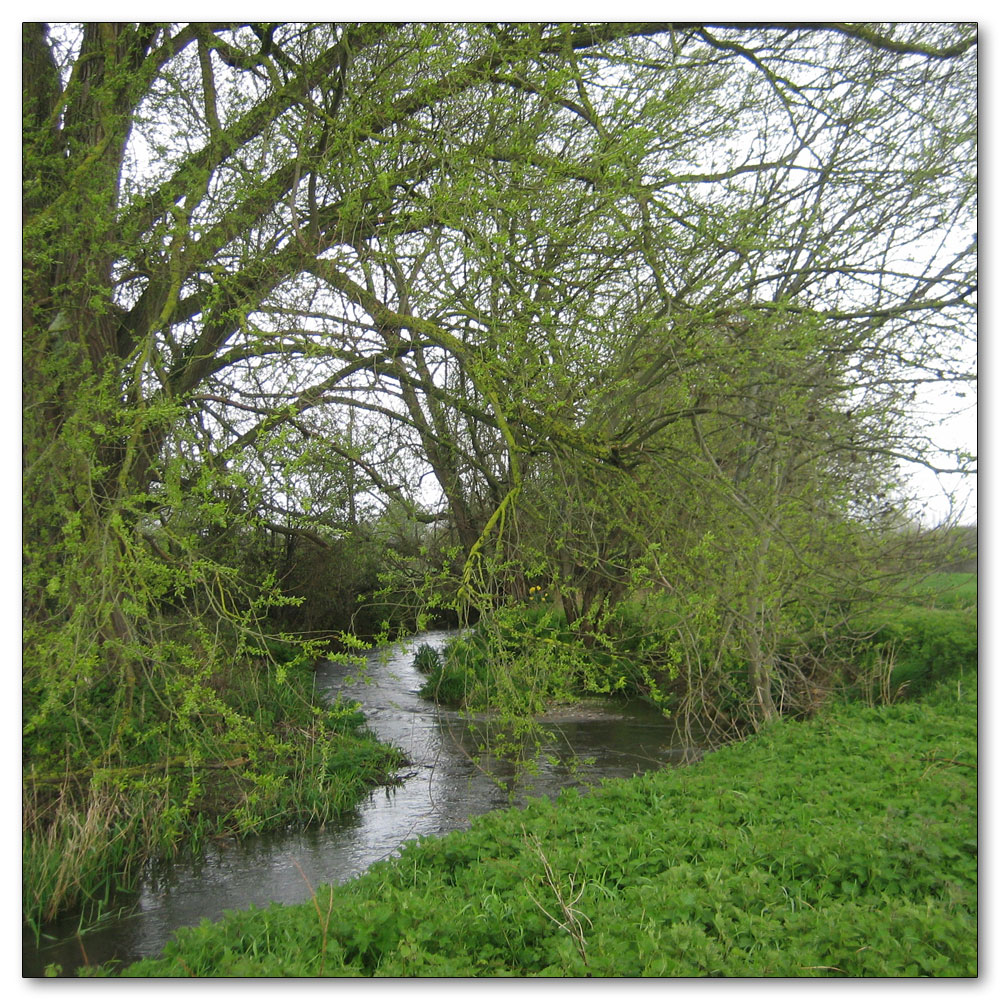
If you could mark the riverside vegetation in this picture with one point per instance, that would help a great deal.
(843, 845)
(256, 752)
(610, 342)
(529, 656)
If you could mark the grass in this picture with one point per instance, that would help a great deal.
(261, 754)
(933, 638)
(842, 846)
(301, 764)
(948, 590)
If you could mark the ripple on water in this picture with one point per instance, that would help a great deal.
(444, 787)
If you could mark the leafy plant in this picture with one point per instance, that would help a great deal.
(842, 846)
(427, 659)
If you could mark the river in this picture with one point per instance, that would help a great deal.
(442, 789)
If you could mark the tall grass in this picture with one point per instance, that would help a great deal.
(66, 855)
(271, 758)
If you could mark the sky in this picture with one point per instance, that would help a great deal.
(961, 431)
(957, 430)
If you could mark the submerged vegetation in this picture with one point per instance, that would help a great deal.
(841, 846)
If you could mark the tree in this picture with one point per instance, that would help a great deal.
(494, 247)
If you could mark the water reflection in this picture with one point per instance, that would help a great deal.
(443, 790)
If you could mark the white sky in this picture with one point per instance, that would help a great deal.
(962, 431)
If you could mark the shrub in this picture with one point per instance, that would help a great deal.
(258, 754)
(923, 646)
(531, 651)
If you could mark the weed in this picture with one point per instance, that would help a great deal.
(564, 897)
(842, 846)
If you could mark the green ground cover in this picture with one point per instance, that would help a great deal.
(260, 751)
(949, 590)
(842, 846)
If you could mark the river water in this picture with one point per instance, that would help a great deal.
(442, 789)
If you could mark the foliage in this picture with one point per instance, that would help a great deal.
(651, 647)
(844, 846)
(512, 649)
(438, 313)
(262, 757)
(533, 649)
(426, 658)
(922, 646)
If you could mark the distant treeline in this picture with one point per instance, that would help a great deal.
(966, 544)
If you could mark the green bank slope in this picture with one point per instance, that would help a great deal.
(843, 846)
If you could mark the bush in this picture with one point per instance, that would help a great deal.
(923, 646)
(531, 651)
(258, 754)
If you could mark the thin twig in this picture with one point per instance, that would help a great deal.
(324, 922)
(949, 760)
(572, 924)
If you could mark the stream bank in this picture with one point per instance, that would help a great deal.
(441, 789)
